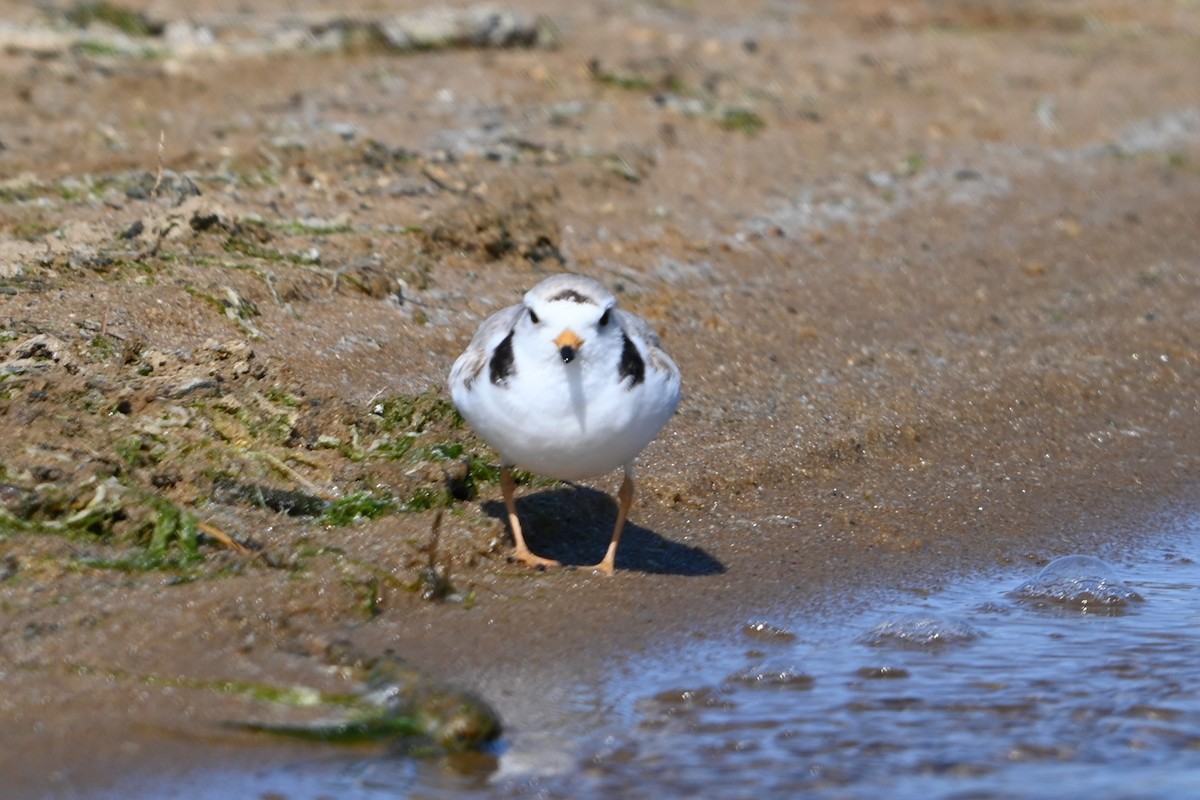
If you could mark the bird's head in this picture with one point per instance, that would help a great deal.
(571, 317)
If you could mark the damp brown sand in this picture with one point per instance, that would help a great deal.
(938, 315)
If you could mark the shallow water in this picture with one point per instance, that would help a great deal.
(977, 691)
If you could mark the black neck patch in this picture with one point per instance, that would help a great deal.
(632, 365)
(501, 367)
(573, 296)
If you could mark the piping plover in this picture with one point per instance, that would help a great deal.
(569, 386)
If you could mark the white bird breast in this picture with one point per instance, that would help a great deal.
(569, 421)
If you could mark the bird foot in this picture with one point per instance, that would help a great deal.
(524, 556)
(605, 567)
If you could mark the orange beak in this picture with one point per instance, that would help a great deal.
(568, 344)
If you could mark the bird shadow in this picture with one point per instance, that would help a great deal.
(573, 525)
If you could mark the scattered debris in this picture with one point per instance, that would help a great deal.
(106, 30)
(398, 704)
(509, 220)
(473, 26)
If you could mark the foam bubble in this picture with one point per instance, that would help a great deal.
(1082, 582)
(767, 631)
(919, 630)
(772, 676)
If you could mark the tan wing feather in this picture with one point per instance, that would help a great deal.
(639, 329)
(474, 359)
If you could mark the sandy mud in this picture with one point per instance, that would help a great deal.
(931, 271)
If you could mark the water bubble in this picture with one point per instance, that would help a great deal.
(705, 696)
(766, 631)
(772, 676)
(1082, 582)
(919, 630)
(882, 673)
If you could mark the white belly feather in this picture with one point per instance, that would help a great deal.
(556, 422)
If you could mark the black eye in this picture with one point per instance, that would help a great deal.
(533, 317)
(604, 317)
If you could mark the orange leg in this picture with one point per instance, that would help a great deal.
(608, 565)
(520, 553)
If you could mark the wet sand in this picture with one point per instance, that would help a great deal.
(931, 275)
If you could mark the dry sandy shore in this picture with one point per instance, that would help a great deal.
(931, 271)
